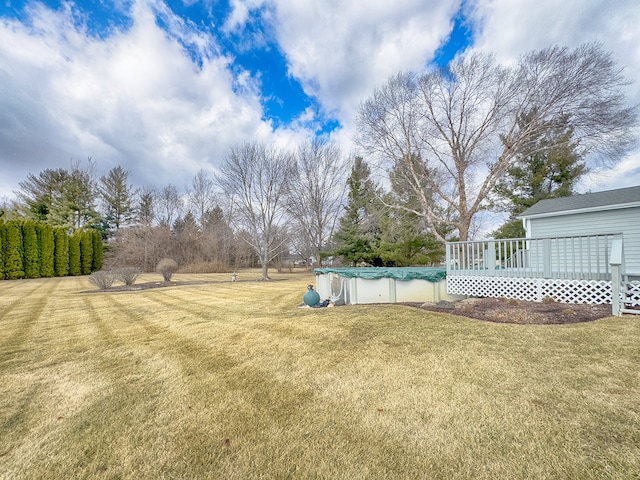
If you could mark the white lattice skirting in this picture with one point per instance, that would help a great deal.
(531, 289)
(632, 294)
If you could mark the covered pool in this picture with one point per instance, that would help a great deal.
(356, 285)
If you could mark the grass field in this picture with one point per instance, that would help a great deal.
(232, 381)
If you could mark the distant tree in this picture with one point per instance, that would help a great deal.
(218, 239)
(257, 178)
(146, 207)
(61, 197)
(31, 256)
(118, 198)
(61, 252)
(46, 248)
(39, 193)
(358, 236)
(464, 122)
(13, 250)
(316, 194)
(550, 169)
(188, 239)
(169, 205)
(202, 195)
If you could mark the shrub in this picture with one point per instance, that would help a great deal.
(75, 265)
(31, 254)
(13, 251)
(46, 249)
(127, 275)
(167, 267)
(61, 253)
(86, 252)
(102, 280)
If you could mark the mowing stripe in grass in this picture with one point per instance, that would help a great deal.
(16, 332)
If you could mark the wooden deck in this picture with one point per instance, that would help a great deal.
(572, 269)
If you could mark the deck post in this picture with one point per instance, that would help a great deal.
(490, 257)
(616, 262)
(546, 258)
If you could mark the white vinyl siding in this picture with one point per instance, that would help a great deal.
(621, 220)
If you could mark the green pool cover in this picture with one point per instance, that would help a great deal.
(431, 274)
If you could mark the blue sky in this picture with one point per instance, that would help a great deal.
(165, 88)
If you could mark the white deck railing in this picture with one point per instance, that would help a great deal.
(584, 257)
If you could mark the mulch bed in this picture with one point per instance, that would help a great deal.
(502, 310)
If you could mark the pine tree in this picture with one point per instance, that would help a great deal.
(358, 236)
(118, 198)
(13, 251)
(86, 251)
(46, 248)
(61, 252)
(75, 261)
(541, 173)
(406, 236)
(31, 255)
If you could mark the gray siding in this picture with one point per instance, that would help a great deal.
(625, 221)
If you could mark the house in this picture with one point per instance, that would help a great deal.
(579, 249)
(608, 212)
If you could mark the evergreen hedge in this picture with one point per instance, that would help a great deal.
(96, 263)
(61, 253)
(45, 249)
(31, 249)
(3, 232)
(13, 251)
(86, 252)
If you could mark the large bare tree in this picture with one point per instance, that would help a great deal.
(316, 195)
(256, 177)
(464, 124)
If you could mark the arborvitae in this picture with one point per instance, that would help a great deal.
(61, 253)
(3, 236)
(31, 257)
(13, 251)
(75, 265)
(96, 240)
(46, 249)
(86, 252)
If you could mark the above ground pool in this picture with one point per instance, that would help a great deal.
(356, 285)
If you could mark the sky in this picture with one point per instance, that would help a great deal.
(166, 88)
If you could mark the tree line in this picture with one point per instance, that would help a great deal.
(445, 146)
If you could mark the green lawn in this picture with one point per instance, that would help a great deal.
(231, 380)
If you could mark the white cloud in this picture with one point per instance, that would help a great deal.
(135, 98)
(510, 29)
(341, 50)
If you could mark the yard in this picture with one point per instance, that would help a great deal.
(231, 380)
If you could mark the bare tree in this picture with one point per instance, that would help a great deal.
(462, 123)
(316, 195)
(168, 205)
(202, 195)
(256, 178)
